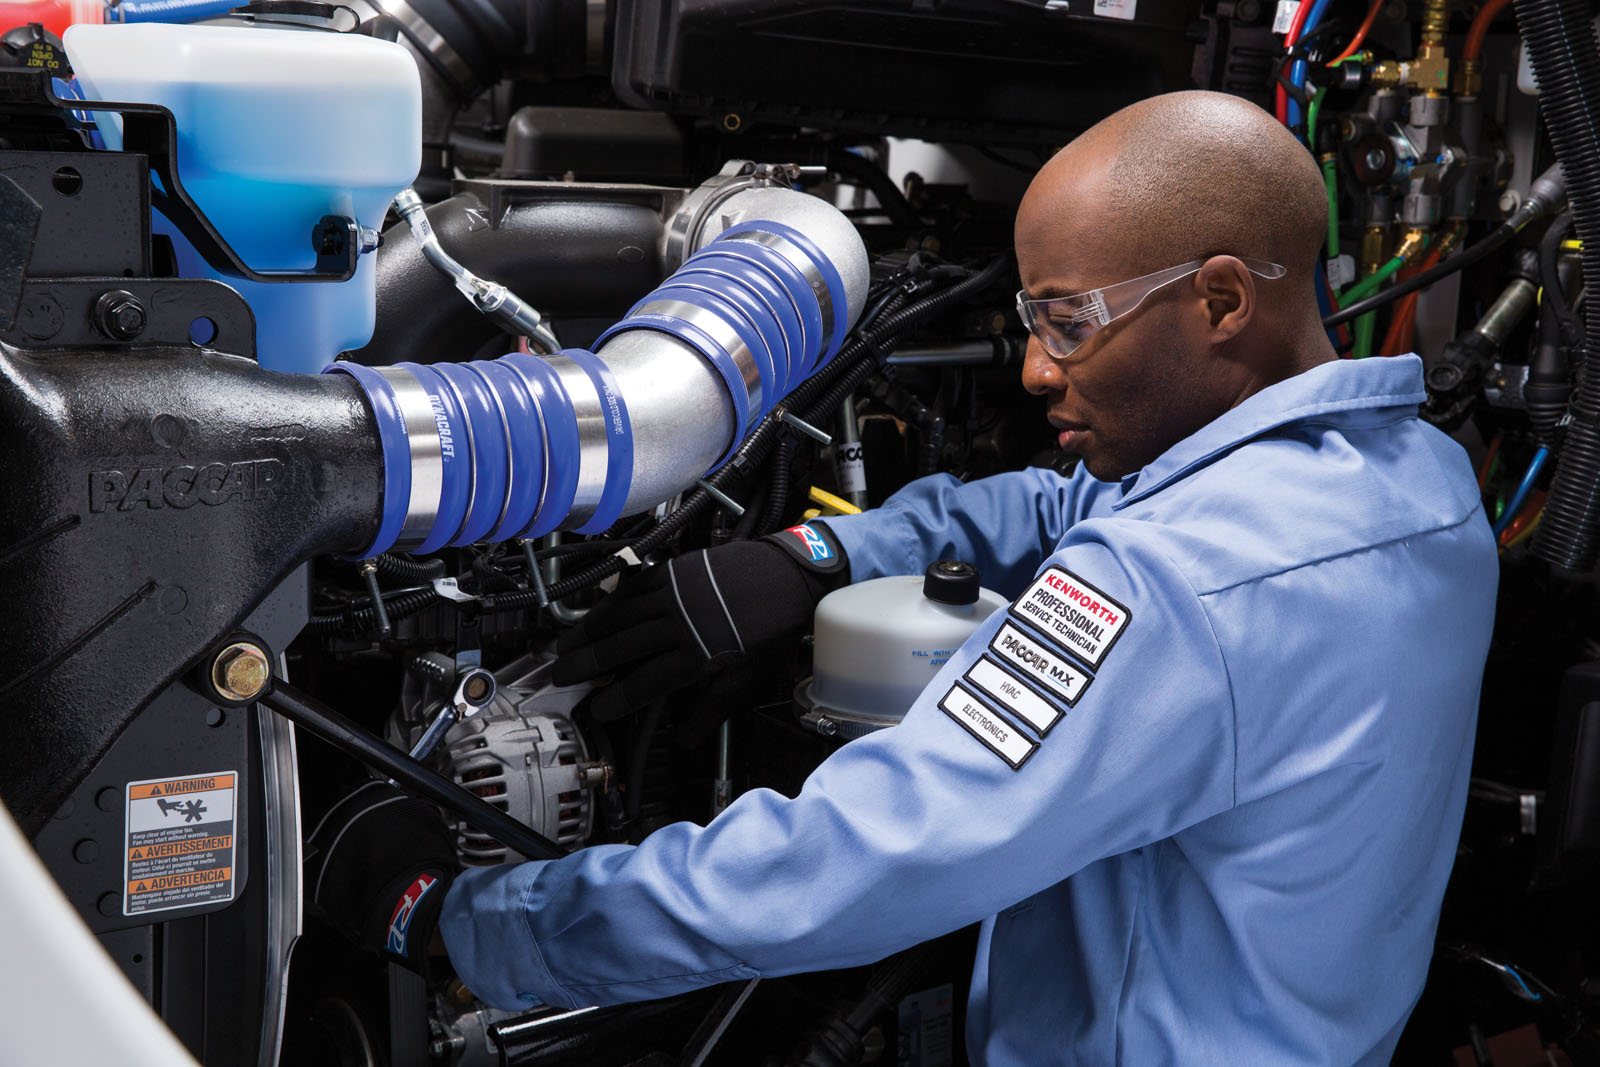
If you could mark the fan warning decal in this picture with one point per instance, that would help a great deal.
(180, 843)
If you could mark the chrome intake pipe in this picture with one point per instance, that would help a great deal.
(524, 445)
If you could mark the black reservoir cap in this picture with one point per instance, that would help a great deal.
(951, 581)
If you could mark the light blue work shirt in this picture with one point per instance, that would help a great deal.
(1229, 848)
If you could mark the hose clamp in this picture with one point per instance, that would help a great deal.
(589, 412)
(427, 454)
(807, 267)
(684, 233)
(719, 330)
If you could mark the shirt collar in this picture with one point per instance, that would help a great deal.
(1382, 390)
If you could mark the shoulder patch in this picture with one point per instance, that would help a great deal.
(1055, 674)
(1077, 617)
(995, 731)
(1013, 694)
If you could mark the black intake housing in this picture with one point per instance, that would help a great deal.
(153, 497)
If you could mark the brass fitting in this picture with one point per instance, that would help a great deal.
(1430, 70)
(1388, 74)
(1370, 256)
(1412, 244)
(1469, 77)
(1435, 22)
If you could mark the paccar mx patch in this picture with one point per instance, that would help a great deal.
(1078, 617)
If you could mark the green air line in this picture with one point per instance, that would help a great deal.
(1363, 334)
(1330, 178)
(1312, 111)
(1369, 285)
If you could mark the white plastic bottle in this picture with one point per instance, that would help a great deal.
(880, 642)
(277, 127)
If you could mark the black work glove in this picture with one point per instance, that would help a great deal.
(377, 869)
(680, 622)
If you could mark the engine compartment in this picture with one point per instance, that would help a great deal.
(612, 202)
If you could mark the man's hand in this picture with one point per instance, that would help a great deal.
(377, 869)
(684, 620)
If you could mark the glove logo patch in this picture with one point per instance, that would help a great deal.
(816, 546)
(404, 910)
(1078, 617)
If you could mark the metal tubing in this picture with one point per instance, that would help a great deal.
(312, 715)
(662, 400)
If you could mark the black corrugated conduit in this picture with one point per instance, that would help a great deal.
(1566, 64)
(814, 400)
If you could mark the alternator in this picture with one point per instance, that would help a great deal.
(521, 753)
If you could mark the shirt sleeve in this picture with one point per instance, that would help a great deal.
(1091, 717)
(1004, 524)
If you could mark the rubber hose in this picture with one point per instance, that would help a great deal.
(409, 571)
(1561, 45)
(1549, 386)
(1555, 295)
(1495, 240)
(879, 184)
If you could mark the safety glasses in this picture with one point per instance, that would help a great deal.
(1063, 323)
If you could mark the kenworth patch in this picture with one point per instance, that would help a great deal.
(1074, 614)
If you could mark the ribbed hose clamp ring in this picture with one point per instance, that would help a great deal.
(426, 452)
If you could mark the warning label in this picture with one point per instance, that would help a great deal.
(180, 843)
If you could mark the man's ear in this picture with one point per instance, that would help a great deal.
(1229, 292)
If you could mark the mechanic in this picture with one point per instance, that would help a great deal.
(1218, 826)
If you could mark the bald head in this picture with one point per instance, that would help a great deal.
(1187, 175)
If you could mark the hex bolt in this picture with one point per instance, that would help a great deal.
(1376, 158)
(119, 315)
(241, 671)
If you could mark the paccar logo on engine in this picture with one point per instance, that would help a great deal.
(185, 485)
(1078, 617)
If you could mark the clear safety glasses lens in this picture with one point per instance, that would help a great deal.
(1063, 323)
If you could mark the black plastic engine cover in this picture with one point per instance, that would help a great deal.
(1023, 72)
(152, 498)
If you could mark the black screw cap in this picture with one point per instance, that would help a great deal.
(951, 581)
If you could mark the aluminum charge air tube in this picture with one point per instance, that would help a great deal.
(523, 445)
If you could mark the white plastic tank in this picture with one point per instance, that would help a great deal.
(277, 127)
(880, 642)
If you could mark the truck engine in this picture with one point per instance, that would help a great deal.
(350, 354)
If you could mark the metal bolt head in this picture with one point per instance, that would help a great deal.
(1376, 158)
(241, 671)
(119, 315)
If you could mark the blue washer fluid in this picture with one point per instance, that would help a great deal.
(277, 127)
